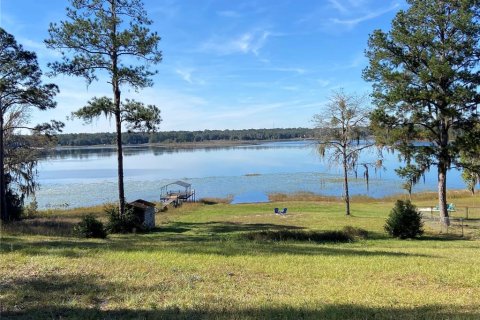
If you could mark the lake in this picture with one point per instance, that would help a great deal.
(88, 176)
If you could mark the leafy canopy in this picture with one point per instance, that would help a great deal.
(135, 114)
(100, 32)
(425, 75)
(21, 89)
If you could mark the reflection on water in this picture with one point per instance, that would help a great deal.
(252, 196)
(99, 152)
(88, 176)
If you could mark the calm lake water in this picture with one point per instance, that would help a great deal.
(85, 177)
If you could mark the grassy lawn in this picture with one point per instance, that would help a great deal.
(198, 265)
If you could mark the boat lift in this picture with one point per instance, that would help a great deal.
(173, 193)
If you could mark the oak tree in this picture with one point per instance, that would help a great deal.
(21, 89)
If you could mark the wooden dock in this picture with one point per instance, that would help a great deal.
(176, 197)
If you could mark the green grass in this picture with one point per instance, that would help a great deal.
(198, 264)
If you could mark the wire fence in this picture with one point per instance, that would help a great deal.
(465, 212)
(464, 222)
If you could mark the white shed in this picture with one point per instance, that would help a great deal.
(146, 211)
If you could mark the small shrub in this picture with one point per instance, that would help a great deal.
(404, 221)
(14, 205)
(90, 227)
(31, 210)
(127, 223)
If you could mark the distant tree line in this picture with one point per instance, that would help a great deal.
(107, 138)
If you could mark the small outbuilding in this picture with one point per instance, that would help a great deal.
(145, 211)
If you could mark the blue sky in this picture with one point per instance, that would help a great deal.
(227, 64)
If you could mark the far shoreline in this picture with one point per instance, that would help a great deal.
(184, 145)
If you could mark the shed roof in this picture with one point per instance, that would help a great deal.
(143, 204)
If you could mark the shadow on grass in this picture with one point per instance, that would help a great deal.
(441, 237)
(221, 227)
(56, 296)
(196, 244)
(343, 311)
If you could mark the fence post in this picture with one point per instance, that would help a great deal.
(461, 221)
(466, 209)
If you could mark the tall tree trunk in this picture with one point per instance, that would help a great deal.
(442, 173)
(116, 102)
(118, 124)
(3, 187)
(345, 186)
(442, 193)
(121, 190)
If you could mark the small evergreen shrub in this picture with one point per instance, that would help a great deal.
(127, 223)
(90, 227)
(404, 221)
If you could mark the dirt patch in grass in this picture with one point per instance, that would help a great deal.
(212, 201)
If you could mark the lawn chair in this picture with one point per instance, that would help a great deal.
(451, 207)
(276, 211)
(284, 211)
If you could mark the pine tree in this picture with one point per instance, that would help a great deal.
(100, 36)
(425, 74)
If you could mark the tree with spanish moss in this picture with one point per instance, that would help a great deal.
(21, 90)
(426, 74)
(341, 136)
(108, 36)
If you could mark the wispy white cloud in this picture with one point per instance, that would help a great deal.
(11, 23)
(229, 14)
(169, 9)
(298, 71)
(338, 5)
(352, 22)
(179, 110)
(291, 88)
(340, 15)
(287, 113)
(323, 83)
(39, 48)
(246, 43)
(358, 60)
(243, 112)
(185, 74)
